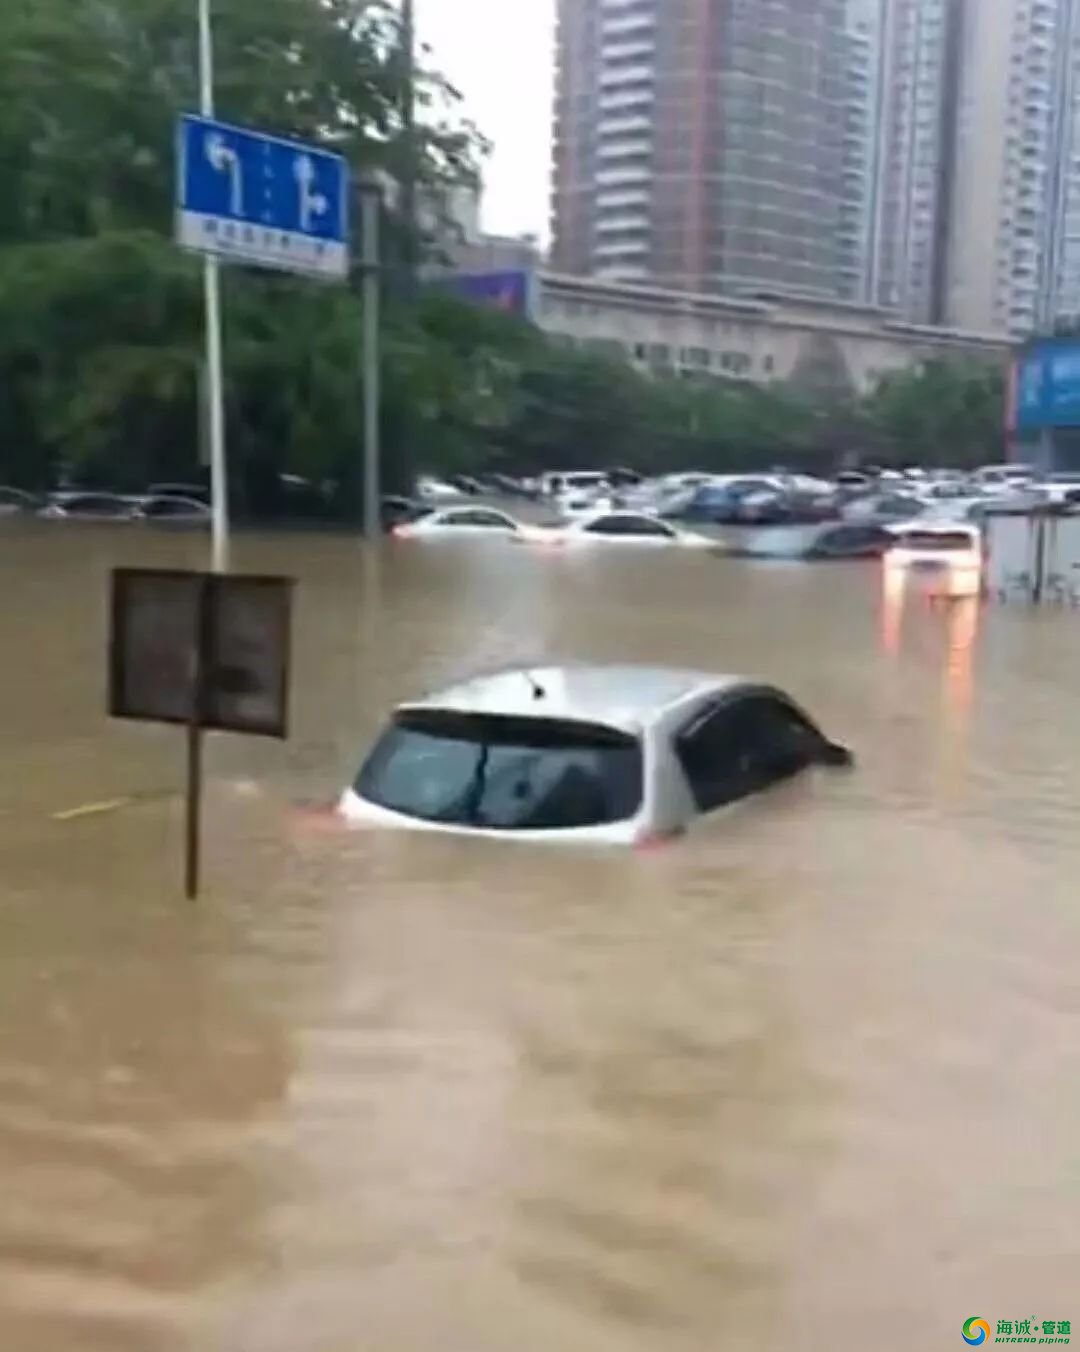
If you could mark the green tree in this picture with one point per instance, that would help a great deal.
(942, 412)
(100, 347)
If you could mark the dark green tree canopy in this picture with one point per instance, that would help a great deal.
(101, 319)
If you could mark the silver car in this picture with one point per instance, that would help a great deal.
(596, 754)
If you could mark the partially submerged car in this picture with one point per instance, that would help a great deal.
(169, 509)
(79, 505)
(16, 501)
(396, 510)
(605, 754)
(459, 523)
(614, 527)
(952, 547)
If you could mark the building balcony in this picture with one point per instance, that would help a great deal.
(610, 250)
(613, 178)
(623, 126)
(627, 51)
(618, 77)
(623, 150)
(625, 25)
(622, 99)
(636, 222)
(622, 199)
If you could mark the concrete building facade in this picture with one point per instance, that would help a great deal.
(822, 346)
(700, 143)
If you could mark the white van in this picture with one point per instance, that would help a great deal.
(573, 481)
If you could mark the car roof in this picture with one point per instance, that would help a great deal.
(636, 513)
(467, 509)
(618, 695)
(933, 526)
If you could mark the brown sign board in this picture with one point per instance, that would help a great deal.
(201, 649)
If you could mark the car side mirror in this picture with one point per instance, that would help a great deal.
(836, 756)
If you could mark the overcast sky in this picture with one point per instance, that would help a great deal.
(500, 55)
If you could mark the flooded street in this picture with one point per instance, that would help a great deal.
(807, 1080)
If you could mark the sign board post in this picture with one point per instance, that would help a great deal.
(203, 651)
(245, 197)
(370, 212)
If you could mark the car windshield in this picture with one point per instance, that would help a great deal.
(946, 542)
(503, 773)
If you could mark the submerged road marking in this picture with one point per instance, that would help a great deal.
(91, 809)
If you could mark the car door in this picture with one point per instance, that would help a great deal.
(742, 745)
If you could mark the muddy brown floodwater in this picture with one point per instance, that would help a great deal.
(806, 1080)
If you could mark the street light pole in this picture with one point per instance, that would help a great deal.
(215, 401)
(370, 212)
(410, 167)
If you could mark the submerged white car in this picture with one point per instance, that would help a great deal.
(629, 528)
(953, 547)
(461, 522)
(604, 754)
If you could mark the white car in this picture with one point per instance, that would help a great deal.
(993, 479)
(168, 508)
(462, 522)
(557, 485)
(615, 754)
(14, 501)
(629, 528)
(437, 490)
(77, 505)
(1059, 489)
(950, 548)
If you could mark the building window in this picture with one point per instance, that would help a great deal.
(768, 363)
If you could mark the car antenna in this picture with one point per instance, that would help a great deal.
(537, 689)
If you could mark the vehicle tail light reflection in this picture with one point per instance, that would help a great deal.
(656, 840)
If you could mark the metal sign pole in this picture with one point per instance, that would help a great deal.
(219, 498)
(370, 204)
(193, 824)
(193, 804)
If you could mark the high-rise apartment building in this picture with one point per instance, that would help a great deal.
(862, 116)
(1013, 259)
(700, 143)
(922, 155)
(918, 45)
(978, 194)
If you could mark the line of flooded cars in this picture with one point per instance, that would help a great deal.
(910, 516)
(175, 504)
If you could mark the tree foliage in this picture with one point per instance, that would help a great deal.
(101, 318)
(945, 412)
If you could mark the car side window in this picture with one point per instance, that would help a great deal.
(628, 525)
(478, 517)
(740, 747)
(496, 519)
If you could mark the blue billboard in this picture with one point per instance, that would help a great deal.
(510, 292)
(1047, 385)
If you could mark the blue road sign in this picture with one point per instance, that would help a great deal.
(251, 198)
(1047, 384)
